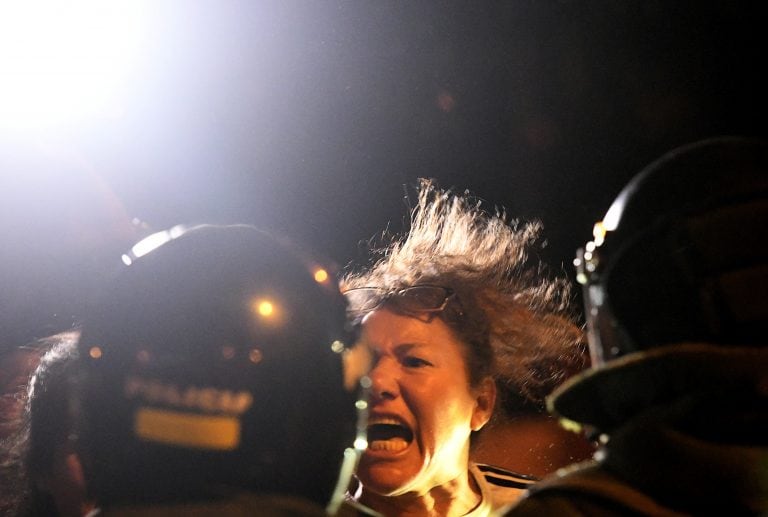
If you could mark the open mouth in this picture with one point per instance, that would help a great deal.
(388, 434)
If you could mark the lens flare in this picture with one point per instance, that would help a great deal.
(265, 308)
(321, 275)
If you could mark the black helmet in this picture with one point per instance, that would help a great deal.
(212, 363)
(682, 254)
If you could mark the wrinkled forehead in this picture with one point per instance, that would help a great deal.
(386, 330)
(388, 325)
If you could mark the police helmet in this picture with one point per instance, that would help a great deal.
(210, 364)
(681, 255)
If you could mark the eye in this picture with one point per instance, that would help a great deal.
(411, 361)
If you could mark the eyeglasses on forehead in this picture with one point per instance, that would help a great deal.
(415, 299)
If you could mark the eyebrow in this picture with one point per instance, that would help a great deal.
(407, 347)
(399, 348)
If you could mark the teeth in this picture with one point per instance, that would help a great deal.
(388, 433)
(393, 444)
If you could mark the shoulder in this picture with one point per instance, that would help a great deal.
(500, 486)
(585, 489)
(500, 477)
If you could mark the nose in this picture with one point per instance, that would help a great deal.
(384, 380)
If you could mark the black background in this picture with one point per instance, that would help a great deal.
(314, 118)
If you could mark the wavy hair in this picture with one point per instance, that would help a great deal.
(517, 317)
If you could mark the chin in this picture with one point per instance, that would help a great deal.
(382, 479)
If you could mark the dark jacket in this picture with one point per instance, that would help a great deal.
(240, 505)
(685, 432)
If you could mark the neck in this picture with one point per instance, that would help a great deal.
(454, 498)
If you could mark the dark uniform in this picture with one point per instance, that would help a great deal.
(691, 437)
(210, 381)
(675, 290)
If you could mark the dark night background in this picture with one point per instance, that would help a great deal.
(313, 118)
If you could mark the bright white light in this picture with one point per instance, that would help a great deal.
(64, 60)
(177, 231)
(150, 243)
(611, 220)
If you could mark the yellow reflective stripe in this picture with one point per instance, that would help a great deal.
(187, 429)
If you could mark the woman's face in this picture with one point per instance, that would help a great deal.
(422, 408)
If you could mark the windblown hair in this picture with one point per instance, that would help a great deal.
(516, 317)
(16, 366)
(41, 425)
(49, 418)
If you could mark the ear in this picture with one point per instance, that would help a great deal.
(485, 400)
